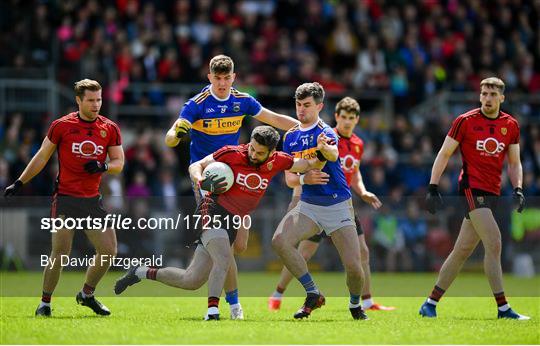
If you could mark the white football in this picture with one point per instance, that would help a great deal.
(221, 170)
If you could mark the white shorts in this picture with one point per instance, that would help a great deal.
(328, 218)
(213, 233)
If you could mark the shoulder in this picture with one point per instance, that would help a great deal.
(510, 119)
(230, 150)
(65, 120)
(200, 97)
(106, 122)
(473, 113)
(292, 130)
(356, 140)
(238, 94)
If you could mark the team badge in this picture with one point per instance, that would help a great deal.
(269, 166)
(480, 200)
(103, 133)
(504, 130)
(236, 106)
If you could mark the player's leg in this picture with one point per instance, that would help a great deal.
(465, 244)
(293, 228)
(487, 229)
(367, 300)
(307, 249)
(218, 246)
(345, 240)
(62, 241)
(105, 246)
(231, 281)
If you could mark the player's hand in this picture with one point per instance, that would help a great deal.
(13, 189)
(316, 177)
(213, 184)
(434, 200)
(371, 199)
(182, 127)
(96, 167)
(519, 198)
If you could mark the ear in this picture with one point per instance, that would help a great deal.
(320, 106)
(233, 76)
(78, 100)
(336, 116)
(502, 98)
(209, 77)
(356, 119)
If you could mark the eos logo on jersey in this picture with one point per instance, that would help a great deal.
(490, 145)
(87, 148)
(252, 181)
(348, 162)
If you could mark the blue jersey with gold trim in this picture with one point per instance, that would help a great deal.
(302, 143)
(216, 122)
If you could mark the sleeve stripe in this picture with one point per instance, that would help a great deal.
(455, 129)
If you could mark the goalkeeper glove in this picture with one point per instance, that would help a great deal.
(13, 189)
(434, 200)
(96, 167)
(182, 127)
(213, 184)
(519, 198)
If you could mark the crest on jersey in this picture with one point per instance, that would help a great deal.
(270, 165)
(236, 106)
(480, 200)
(504, 131)
(103, 133)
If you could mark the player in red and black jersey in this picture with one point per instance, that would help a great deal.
(253, 165)
(83, 140)
(351, 149)
(484, 136)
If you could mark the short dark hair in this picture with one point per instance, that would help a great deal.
(310, 89)
(221, 64)
(86, 84)
(266, 135)
(348, 104)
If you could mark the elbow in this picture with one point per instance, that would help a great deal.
(170, 141)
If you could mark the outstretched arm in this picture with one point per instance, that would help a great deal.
(281, 121)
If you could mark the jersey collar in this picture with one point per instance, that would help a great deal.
(86, 121)
(217, 98)
(488, 118)
(304, 129)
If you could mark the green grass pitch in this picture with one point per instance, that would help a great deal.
(151, 313)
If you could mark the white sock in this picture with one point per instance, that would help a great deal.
(141, 272)
(235, 306)
(277, 295)
(352, 306)
(367, 303)
(213, 311)
(44, 304)
(504, 308)
(432, 302)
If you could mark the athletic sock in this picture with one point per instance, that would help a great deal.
(141, 272)
(435, 295)
(354, 300)
(151, 273)
(213, 302)
(87, 291)
(231, 297)
(307, 281)
(278, 293)
(45, 299)
(502, 304)
(367, 302)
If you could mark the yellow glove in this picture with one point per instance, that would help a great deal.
(182, 127)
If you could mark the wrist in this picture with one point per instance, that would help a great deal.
(18, 183)
(433, 187)
(302, 177)
(518, 189)
(105, 166)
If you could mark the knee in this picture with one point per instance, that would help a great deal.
(278, 242)
(59, 251)
(109, 250)
(494, 248)
(353, 269)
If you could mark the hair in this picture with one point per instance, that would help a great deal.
(348, 104)
(493, 82)
(266, 135)
(310, 89)
(86, 84)
(221, 64)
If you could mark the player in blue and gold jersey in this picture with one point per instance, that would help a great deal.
(214, 117)
(325, 205)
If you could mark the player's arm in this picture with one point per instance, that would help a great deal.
(311, 177)
(280, 121)
(303, 165)
(515, 173)
(441, 161)
(328, 147)
(116, 159)
(35, 166)
(178, 130)
(196, 169)
(357, 184)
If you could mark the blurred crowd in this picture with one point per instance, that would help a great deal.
(412, 49)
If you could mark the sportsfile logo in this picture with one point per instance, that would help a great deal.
(252, 181)
(86, 148)
(490, 145)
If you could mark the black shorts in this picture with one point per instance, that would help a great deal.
(475, 198)
(208, 208)
(77, 207)
(318, 237)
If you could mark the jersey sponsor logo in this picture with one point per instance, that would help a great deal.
(490, 145)
(252, 181)
(218, 126)
(348, 162)
(86, 148)
(305, 154)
